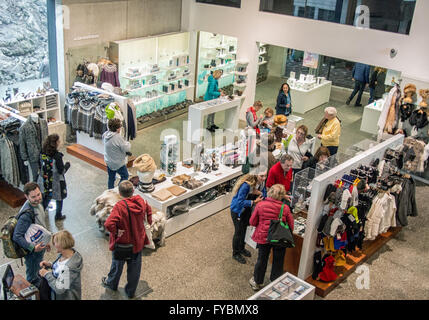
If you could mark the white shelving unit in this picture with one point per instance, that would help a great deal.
(241, 74)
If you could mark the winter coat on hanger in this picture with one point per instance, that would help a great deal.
(381, 216)
(31, 137)
(394, 95)
(406, 203)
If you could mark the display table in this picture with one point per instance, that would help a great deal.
(286, 287)
(200, 211)
(371, 114)
(197, 112)
(306, 100)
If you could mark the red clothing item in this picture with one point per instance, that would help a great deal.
(255, 117)
(277, 176)
(119, 220)
(328, 274)
(264, 212)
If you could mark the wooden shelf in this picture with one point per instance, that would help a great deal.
(11, 195)
(92, 157)
(352, 261)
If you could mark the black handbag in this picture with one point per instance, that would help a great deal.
(124, 251)
(279, 233)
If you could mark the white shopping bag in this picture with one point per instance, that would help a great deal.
(248, 238)
(37, 234)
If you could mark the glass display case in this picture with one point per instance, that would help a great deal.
(286, 287)
(301, 191)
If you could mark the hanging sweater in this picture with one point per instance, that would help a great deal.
(381, 216)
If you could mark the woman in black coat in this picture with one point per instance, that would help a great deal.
(284, 103)
(52, 174)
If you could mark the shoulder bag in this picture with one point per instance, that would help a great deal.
(279, 233)
(124, 251)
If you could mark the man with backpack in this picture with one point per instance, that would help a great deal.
(31, 213)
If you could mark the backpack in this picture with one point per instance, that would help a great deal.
(10, 248)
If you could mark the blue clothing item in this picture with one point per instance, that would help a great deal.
(338, 244)
(239, 201)
(282, 101)
(133, 273)
(212, 89)
(122, 171)
(26, 217)
(32, 266)
(361, 72)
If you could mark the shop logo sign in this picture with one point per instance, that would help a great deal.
(362, 17)
(63, 16)
(362, 281)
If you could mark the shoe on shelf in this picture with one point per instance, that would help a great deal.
(246, 253)
(254, 285)
(358, 105)
(62, 217)
(239, 258)
(104, 284)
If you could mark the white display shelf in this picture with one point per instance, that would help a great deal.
(242, 62)
(180, 78)
(177, 67)
(262, 62)
(238, 73)
(199, 212)
(143, 75)
(262, 52)
(31, 98)
(176, 91)
(230, 64)
(370, 117)
(149, 99)
(150, 85)
(240, 84)
(306, 100)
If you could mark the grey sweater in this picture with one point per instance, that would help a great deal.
(68, 284)
(115, 149)
(250, 122)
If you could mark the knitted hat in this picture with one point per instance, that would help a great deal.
(280, 120)
(144, 163)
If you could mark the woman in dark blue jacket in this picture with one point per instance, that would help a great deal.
(240, 216)
(284, 103)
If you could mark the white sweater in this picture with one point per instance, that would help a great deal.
(381, 216)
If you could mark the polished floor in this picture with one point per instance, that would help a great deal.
(196, 263)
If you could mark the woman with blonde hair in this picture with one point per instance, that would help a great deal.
(240, 216)
(265, 211)
(61, 278)
(213, 92)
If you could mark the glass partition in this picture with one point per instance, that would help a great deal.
(387, 15)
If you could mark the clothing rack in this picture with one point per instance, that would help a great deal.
(14, 197)
(316, 201)
(88, 148)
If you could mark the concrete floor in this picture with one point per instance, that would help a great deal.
(196, 263)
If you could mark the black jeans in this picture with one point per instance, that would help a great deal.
(262, 262)
(59, 209)
(359, 87)
(240, 225)
(332, 150)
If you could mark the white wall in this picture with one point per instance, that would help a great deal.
(250, 25)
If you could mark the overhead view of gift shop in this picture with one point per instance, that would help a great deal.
(184, 95)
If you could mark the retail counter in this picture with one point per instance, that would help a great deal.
(371, 114)
(306, 100)
(201, 210)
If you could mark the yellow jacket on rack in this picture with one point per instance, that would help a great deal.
(331, 133)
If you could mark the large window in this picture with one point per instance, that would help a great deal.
(24, 48)
(386, 15)
(228, 3)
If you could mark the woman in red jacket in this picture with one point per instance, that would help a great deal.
(265, 211)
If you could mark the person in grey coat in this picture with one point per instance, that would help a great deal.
(31, 136)
(62, 275)
(116, 150)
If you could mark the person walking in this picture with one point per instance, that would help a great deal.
(213, 92)
(32, 212)
(116, 150)
(360, 75)
(240, 214)
(52, 176)
(265, 211)
(284, 102)
(126, 225)
(62, 277)
(299, 148)
(380, 87)
(331, 131)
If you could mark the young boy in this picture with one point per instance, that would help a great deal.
(268, 121)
